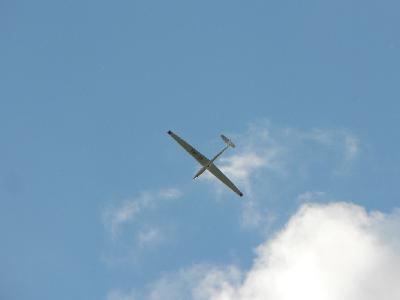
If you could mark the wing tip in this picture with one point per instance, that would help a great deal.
(241, 194)
(169, 132)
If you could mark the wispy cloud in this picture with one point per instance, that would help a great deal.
(116, 294)
(150, 236)
(170, 193)
(351, 147)
(282, 150)
(267, 154)
(333, 251)
(126, 211)
(134, 232)
(311, 196)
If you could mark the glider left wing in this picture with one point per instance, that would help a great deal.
(217, 173)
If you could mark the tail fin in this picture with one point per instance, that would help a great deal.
(227, 141)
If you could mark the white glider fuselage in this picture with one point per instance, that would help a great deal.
(201, 171)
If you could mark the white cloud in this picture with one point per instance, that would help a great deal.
(330, 252)
(335, 251)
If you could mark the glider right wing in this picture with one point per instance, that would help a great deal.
(204, 161)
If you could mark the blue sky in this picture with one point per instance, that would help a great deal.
(89, 89)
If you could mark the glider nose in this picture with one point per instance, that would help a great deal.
(169, 132)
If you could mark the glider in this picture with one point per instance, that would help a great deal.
(206, 163)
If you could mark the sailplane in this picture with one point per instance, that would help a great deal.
(206, 163)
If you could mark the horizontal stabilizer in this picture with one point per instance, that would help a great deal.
(227, 141)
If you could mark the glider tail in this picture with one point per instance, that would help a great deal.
(227, 141)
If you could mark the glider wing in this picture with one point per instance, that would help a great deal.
(217, 173)
(204, 161)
